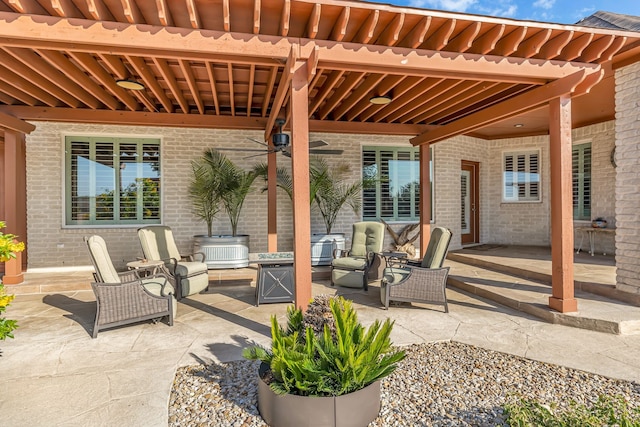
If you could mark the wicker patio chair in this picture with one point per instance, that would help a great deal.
(351, 268)
(188, 275)
(123, 298)
(426, 281)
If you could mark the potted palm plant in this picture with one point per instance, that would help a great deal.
(322, 366)
(218, 184)
(329, 193)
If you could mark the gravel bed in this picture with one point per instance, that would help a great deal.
(439, 384)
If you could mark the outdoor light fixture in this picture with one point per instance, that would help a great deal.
(380, 100)
(130, 84)
(518, 125)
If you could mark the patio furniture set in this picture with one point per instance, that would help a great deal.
(151, 287)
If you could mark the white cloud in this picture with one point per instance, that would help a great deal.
(501, 8)
(450, 5)
(544, 4)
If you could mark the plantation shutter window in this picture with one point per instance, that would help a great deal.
(391, 183)
(112, 181)
(581, 168)
(521, 176)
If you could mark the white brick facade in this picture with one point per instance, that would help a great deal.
(628, 178)
(504, 223)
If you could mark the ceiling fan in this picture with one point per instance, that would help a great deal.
(280, 141)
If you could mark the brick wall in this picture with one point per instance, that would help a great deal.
(499, 223)
(52, 245)
(627, 178)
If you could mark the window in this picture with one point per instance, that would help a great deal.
(112, 181)
(521, 176)
(391, 183)
(581, 161)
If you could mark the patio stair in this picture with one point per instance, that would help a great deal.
(528, 291)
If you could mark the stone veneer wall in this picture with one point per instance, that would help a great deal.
(628, 178)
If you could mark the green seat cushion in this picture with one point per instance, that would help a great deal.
(350, 263)
(188, 268)
(350, 279)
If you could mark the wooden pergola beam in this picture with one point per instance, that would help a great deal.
(205, 121)
(147, 40)
(14, 124)
(519, 104)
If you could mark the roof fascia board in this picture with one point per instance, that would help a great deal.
(368, 5)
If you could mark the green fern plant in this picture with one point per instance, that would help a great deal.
(327, 364)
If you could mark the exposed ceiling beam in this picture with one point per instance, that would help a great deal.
(355, 57)
(12, 123)
(209, 121)
(517, 105)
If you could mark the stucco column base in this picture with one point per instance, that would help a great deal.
(563, 305)
(13, 271)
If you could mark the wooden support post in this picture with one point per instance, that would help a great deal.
(272, 204)
(299, 100)
(562, 298)
(15, 207)
(425, 199)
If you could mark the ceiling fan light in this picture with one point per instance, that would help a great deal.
(130, 84)
(380, 99)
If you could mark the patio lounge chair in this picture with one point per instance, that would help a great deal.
(351, 268)
(123, 298)
(188, 275)
(404, 280)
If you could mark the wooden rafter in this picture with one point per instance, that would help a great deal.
(31, 73)
(281, 93)
(528, 101)
(105, 79)
(212, 83)
(185, 67)
(63, 64)
(169, 77)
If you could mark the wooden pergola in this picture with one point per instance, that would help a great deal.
(241, 64)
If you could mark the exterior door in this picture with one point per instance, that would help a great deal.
(470, 202)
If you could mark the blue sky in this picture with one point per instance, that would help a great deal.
(557, 11)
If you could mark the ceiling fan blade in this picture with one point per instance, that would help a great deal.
(258, 142)
(264, 152)
(318, 143)
(326, 151)
(243, 149)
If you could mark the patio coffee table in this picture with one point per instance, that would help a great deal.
(275, 282)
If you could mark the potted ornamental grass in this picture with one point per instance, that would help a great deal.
(219, 184)
(322, 365)
(330, 192)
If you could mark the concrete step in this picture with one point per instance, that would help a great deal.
(595, 312)
(592, 278)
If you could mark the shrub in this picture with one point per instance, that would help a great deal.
(8, 248)
(308, 363)
(607, 411)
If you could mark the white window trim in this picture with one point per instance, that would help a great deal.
(527, 151)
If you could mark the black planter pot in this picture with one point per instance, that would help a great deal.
(355, 409)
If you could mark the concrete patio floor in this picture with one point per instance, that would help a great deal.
(53, 373)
